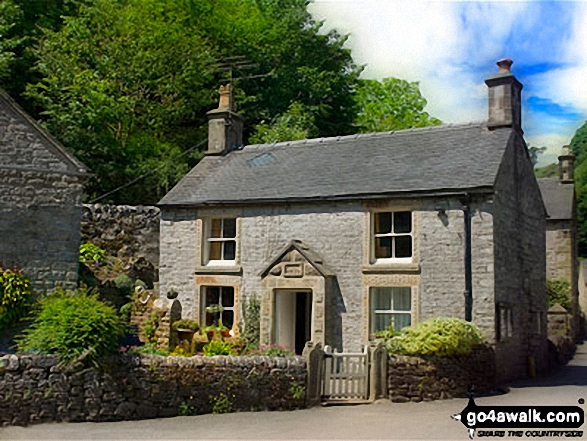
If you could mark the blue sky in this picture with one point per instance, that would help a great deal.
(450, 47)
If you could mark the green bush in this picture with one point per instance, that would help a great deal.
(252, 318)
(218, 347)
(559, 291)
(440, 337)
(69, 324)
(91, 254)
(186, 324)
(15, 297)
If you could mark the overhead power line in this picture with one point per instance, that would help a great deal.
(150, 172)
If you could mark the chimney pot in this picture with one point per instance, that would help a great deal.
(505, 65)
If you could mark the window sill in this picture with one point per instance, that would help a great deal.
(219, 269)
(378, 268)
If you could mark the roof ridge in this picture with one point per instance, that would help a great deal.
(314, 141)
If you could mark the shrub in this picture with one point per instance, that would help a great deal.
(439, 337)
(186, 324)
(252, 318)
(69, 324)
(559, 291)
(91, 254)
(218, 347)
(125, 313)
(15, 296)
(387, 333)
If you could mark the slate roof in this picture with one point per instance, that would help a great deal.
(432, 159)
(558, 198)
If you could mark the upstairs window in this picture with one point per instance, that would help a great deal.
(393, 235)
(221, 241)
(390, 306)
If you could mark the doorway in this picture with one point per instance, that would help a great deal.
(293, 319)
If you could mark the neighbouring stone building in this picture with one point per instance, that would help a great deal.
(561, 229)
(339, 237)
(40, 201)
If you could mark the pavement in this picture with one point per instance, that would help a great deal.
(381, 420)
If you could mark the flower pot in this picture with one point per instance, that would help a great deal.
(185, 334)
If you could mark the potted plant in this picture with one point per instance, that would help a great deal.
(185, 328)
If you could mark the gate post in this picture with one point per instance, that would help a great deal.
(377, 371)
(314, 356)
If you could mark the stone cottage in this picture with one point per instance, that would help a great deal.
(40, 201)
(561, 228)
(339, 237)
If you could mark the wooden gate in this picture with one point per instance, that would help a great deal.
(346, 376)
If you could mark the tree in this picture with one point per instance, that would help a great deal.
(120, 85)
(10, 14)
(579, 148)
(390, 104)
(296, 123)
(534, 152)
(126, 84)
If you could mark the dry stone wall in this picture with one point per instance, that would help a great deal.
(128, 232)
(432, 378)
(37, 389)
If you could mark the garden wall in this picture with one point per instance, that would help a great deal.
(432, 378)
(128, 232)
(36, 389)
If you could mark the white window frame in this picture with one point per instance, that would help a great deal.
(391, 235)
(208, 240)
(204, 292)
(373, 312)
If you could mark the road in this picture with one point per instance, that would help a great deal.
(381, 420)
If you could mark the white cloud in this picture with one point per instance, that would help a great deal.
(450, 47)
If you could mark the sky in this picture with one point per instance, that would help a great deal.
(451, 47)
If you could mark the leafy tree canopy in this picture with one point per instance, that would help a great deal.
(579, 148)
(390, 104)
(126, 84)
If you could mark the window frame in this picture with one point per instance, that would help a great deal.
(203, 295)
(392, 235)
(208, 240)
(373, 312)
(505, 322)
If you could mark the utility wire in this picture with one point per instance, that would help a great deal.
(150, 172)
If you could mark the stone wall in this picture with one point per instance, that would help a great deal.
(124, 231)
(39, 225)
(40, 201)
(36, 389)
(520, 266)
(432, 378)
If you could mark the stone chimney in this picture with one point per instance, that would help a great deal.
(505, 104)
(225, 127)
(566, 166)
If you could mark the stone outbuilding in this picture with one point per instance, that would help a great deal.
(40, 201)
(340, 237)
(561, 229)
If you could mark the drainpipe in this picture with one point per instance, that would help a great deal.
(468, 271)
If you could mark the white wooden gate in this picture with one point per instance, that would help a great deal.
(346, 376)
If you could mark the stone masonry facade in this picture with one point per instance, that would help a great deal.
(40, 202)
(519, 247)
(341, 234)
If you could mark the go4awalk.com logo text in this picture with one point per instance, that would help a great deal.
(522, 421)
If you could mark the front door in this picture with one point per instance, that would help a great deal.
(293, 319)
